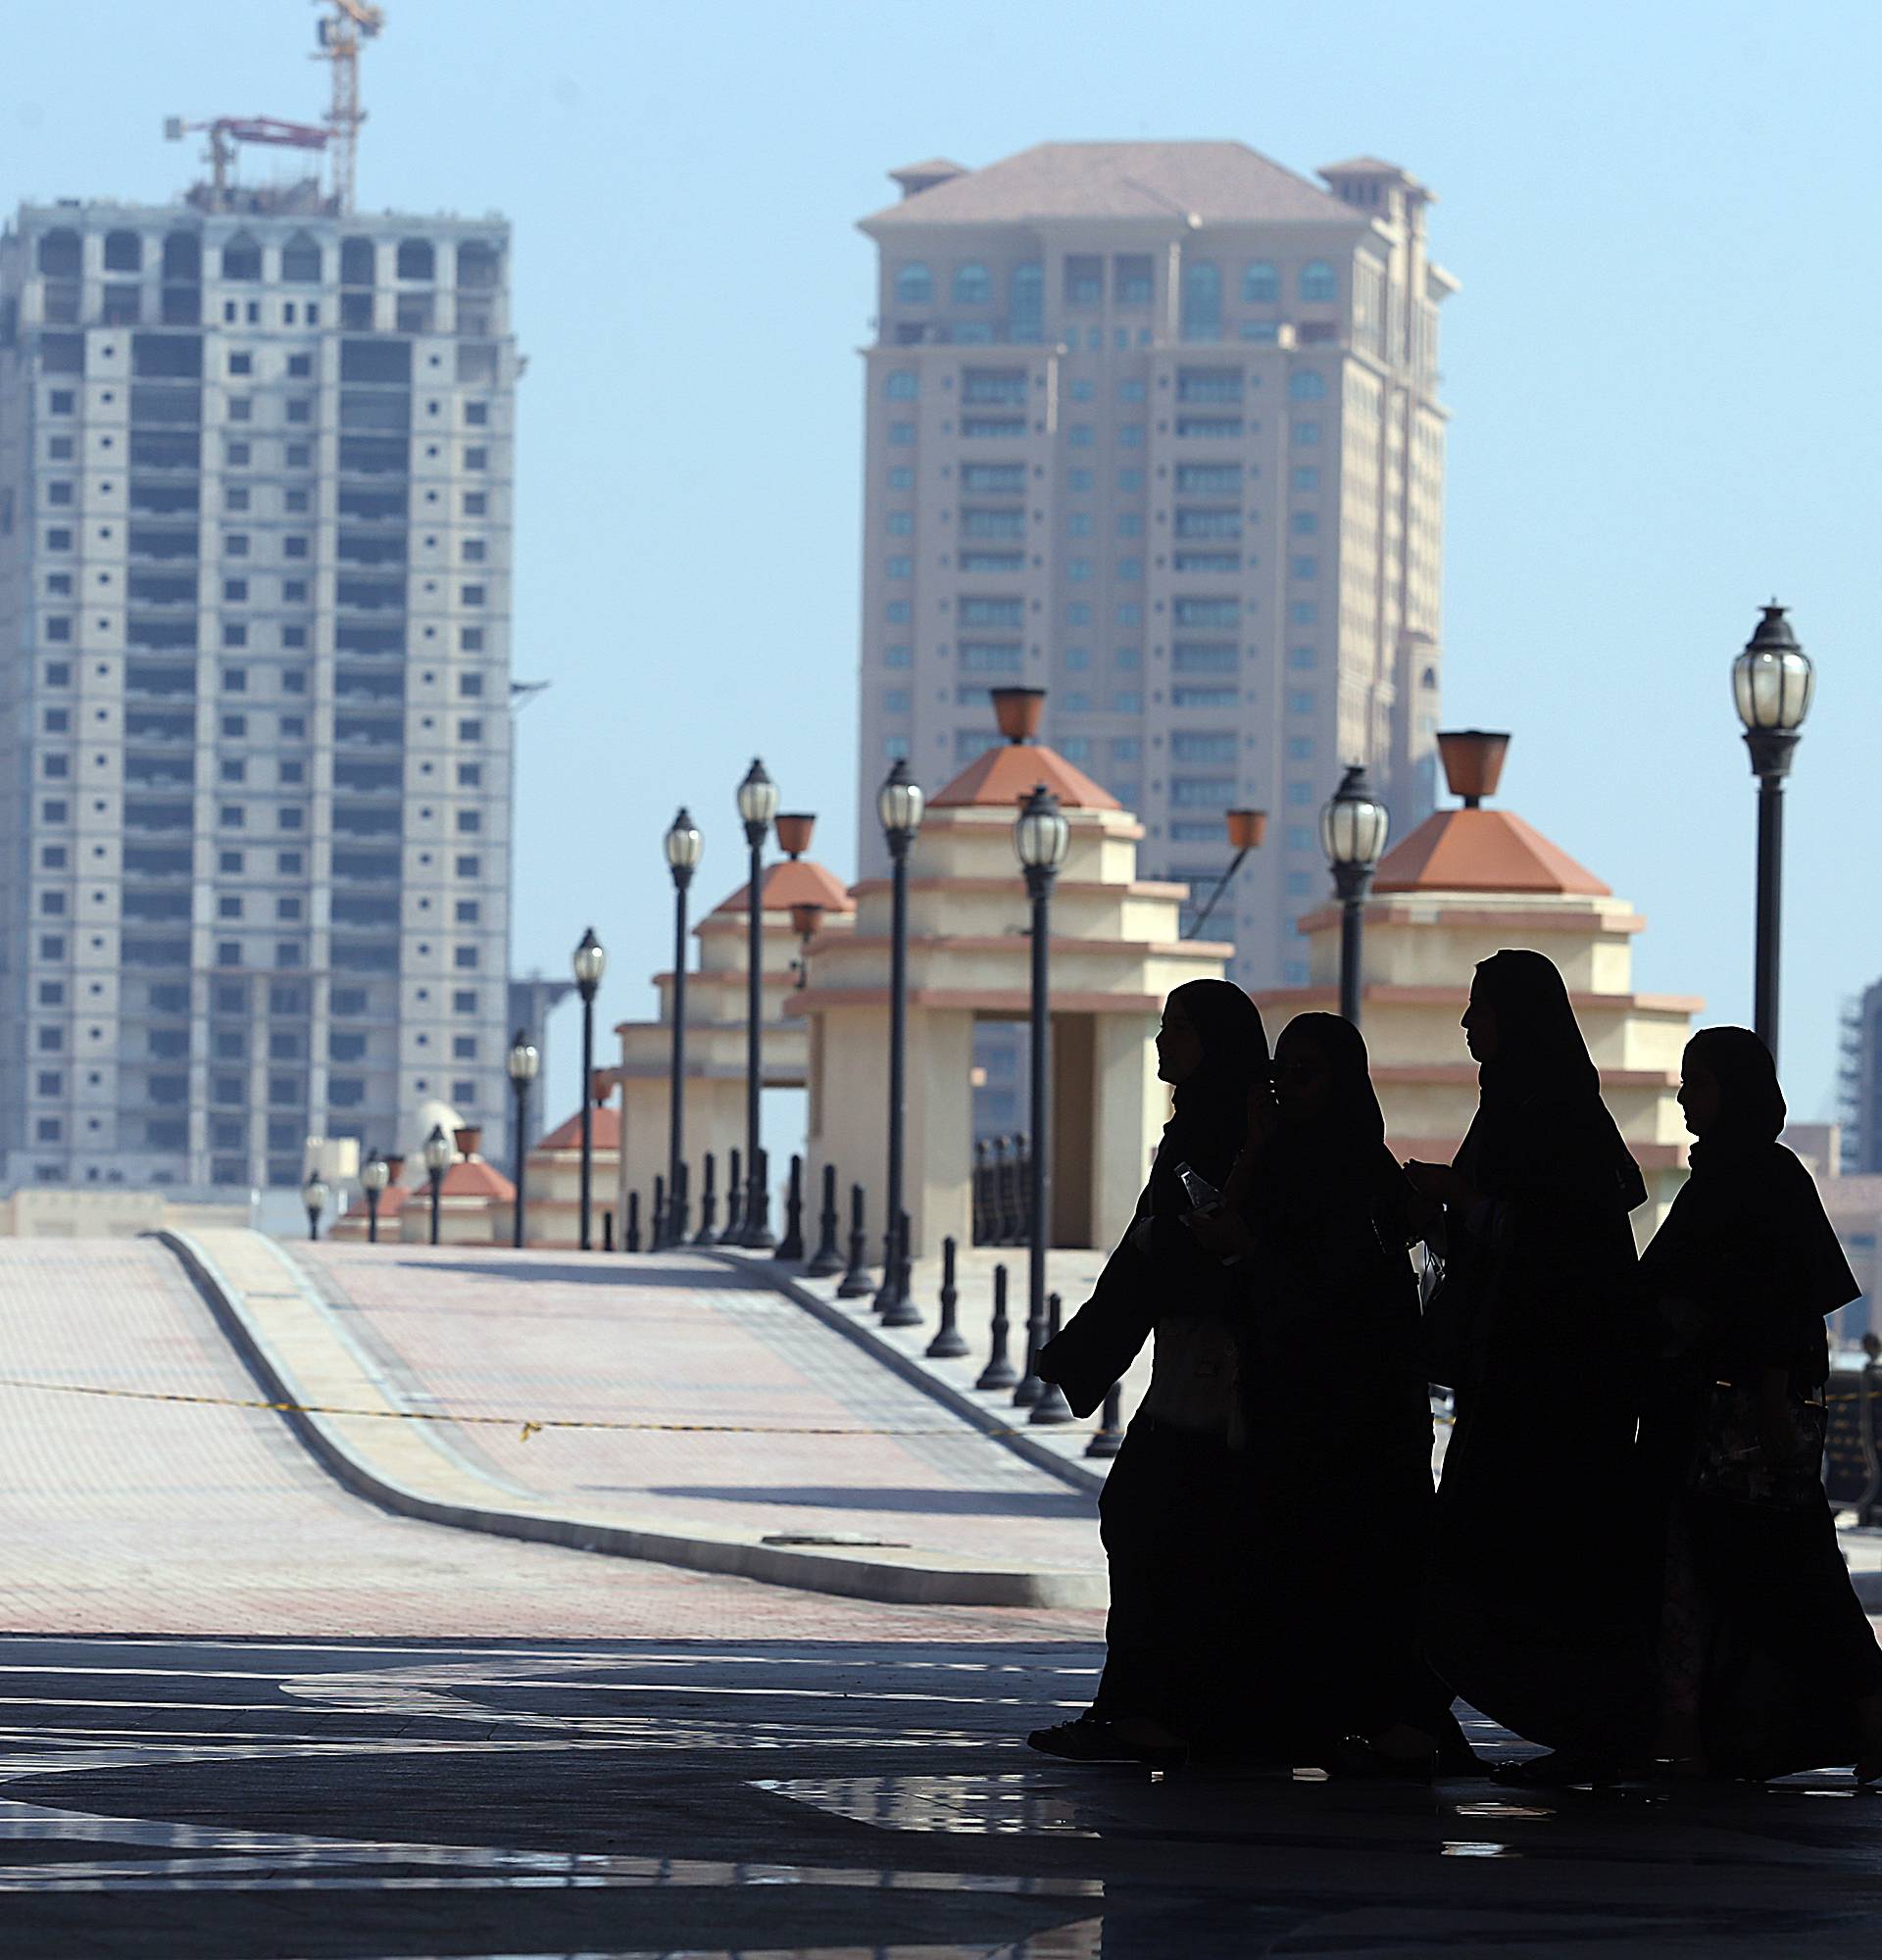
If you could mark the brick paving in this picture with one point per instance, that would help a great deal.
(678, 1340)
(133, 1516)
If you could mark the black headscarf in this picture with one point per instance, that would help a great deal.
(1350, 1127)
(1210, 1120)
(1751, 1103)
(1750, 1218)
(1542, 1073)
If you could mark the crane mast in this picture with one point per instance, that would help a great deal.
(340, 33)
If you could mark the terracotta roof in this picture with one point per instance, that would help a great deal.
(474, 1177)
(1006, 776)
(1481, 850)
(1216, 182)
(567, 1136)
(793, 881)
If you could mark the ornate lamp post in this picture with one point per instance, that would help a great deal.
(1352, 828)
(684, 846)
(899, 803)
(590, 963)
(437, 1160)
(314, 1194)
(1040, 840)
(374, 1175)
(1246, 829)
(757, 806)
(1772, 682)
(524, 1062)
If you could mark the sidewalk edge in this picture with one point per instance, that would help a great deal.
(777, 1565)
(1087, 1481)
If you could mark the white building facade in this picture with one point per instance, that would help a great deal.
(254, 513)
(1156, 427)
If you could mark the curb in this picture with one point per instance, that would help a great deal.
(832, 1572)
(1087, 1481)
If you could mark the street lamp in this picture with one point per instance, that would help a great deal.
(374, 1175)
(898, 804)
(1040, 839)
(314, 1197)
(524, 1061)
(757, 806)
(1772, 682)
(684, 846)
(437, 1160)
(1353, 827)
(1246, 829)
(590, 963)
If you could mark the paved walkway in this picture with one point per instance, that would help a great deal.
(800, 1435)
(138, 1516)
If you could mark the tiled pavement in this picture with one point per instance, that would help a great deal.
(697, 1766)
(682, 1340)
(138, 1516)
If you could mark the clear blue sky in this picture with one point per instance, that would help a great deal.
(1659, 367)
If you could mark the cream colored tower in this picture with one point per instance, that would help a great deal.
(1156, 425)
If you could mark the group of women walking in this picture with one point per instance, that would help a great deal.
(1630, 1560)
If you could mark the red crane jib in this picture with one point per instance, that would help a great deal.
(271, 129)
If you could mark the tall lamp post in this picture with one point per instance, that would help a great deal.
(590, 963)
(374, 1175)
(683, 845)
(1040, 840)
(757, 806)
(899, 803)
(437, 1160)
(1352, 828)
(1772, 682)
(314, 1194)
(524, 1061)
(1246, 829)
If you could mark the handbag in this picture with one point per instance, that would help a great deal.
(1730, 1461)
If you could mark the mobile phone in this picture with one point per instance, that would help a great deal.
(1201, 1195)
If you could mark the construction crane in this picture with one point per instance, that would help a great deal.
(226, 131)
(340, 33)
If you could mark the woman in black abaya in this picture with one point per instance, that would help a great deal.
(1171, 1506)
(1768, 1663)
(1539, 1605)
(1338, 1421)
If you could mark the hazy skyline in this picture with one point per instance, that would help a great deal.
(1650, 211)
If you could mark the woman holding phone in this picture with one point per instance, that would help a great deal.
(1171, 1511)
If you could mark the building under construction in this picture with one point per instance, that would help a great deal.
(255, 519)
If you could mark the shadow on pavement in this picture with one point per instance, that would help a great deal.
(947, 1503)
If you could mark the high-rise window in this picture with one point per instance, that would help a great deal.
(1202, 300)
(914, 283)
(973, 284)
(1260, 283)
(1028, 289)
(1318, 281)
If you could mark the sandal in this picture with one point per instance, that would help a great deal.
(1087, 1740)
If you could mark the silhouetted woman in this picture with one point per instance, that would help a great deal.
(1539, 1607)
(1338, 1414)
(1172, 1503)
(1766, 1660)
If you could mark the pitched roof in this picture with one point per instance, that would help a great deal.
(567, 1136)
(1481, 850)
(794, 881)
(475, 1177)
(1219, 183)
(1004, 777)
